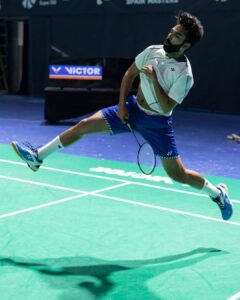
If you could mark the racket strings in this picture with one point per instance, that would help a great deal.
(146, 157)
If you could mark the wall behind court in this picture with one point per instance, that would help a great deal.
(123, 28)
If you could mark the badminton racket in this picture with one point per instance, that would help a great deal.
(146, 158)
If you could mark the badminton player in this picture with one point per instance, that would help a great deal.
(165, 80)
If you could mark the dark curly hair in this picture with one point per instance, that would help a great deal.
(193, 27)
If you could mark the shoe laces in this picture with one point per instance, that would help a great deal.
(28, 145)
(219, 202)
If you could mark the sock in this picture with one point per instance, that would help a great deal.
(210, 189)
(49, 148)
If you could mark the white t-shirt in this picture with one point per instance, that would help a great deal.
(175, 77)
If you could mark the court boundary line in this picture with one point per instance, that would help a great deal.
(176, 211)
(21, 211)
(41, 184)
(97, 193)
(113, 179)
(235, 296)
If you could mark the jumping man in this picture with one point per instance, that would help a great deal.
(165, 80)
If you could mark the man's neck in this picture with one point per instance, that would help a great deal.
(176, 55)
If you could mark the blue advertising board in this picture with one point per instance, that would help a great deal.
(75, 72)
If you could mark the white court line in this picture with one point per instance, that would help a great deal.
(114, 198)
(95, 194)
(235, 297)
(41, 184)
(22, 211)
(175, 211)
(113, 179)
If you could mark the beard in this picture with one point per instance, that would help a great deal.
(170, 48)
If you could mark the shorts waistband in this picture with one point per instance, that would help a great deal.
(148, 112)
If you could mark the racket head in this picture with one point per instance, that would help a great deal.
(146, 158)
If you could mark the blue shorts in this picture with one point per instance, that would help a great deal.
(156, 130)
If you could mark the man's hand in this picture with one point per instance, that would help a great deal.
(122, 112)
(149, 71)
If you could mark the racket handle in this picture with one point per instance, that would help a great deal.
(129, 126)
(127, 123)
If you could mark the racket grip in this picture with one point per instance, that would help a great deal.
(127, 123)
(129, 126)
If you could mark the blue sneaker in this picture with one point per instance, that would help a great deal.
(29, 154)
(224, 202)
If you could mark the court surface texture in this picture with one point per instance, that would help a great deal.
(89, 225)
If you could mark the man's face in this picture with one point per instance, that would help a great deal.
(175, 39)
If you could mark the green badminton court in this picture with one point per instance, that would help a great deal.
(84, 228)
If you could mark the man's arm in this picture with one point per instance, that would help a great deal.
(125, 88)
(166, 103)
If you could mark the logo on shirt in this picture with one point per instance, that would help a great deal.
(172, 69)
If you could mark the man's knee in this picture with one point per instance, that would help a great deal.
(179, 176)
(92, 124)
(82, 127)
(83, 124)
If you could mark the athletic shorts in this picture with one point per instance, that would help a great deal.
(155, 129)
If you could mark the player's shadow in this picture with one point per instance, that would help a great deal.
(76, 275)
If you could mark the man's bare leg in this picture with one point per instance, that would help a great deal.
(92, 124)
(219, 194)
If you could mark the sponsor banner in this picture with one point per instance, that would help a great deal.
(75, 72)
(73, 7)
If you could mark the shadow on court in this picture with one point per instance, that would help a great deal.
(91, 278)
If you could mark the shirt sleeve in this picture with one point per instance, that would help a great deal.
(180, 88)
(141, 58)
